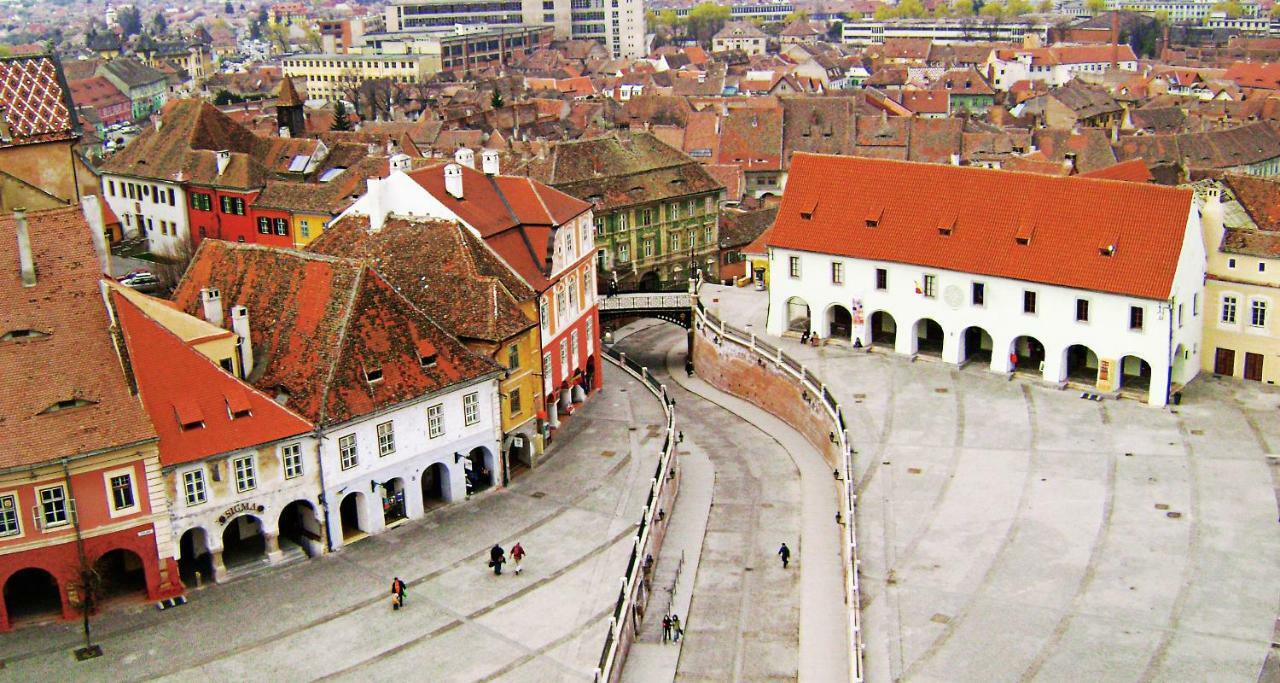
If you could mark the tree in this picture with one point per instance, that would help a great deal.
(1232, 8)
(911, 9)
(1017, 7)
(496, 99)
(798, 15)
(1045, 6)
(964, 8)
(340, 120)
(278, 36)
(994, 9)
(129, 20)
(835, 31)
(706, 20)
(1095, 7)
(884, 13)
(160, 23)
(310, 36)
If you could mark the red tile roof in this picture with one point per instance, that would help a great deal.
(1134, 171)
(752, 138)
(1071, 219)
(1255, 75)
(319, 322)
(73, 356)
(173, 379)
(35, 105)
(97, 92)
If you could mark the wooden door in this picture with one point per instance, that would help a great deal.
(1224, 362)
(1253, 366)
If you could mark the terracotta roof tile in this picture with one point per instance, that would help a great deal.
(1134, 171)
(752, 138)
(35, 104)
(1072, 217)
(71, 356)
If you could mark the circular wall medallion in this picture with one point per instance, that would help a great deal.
(953, 295)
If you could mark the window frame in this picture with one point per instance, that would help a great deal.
(1137, 318)
(12, 512)
(348, 452)
(1030, 302)
(386, 438)
(882, 279)
(109, 483)
(291, 460)
(471, 409)
(837, 273)
(929, 286)
(245, 471)
(978, 294)
(435, 420)
(1082, 310)
(44, 513)
(193, 486)
(1257, 313)
(793, 267)
(1228, 304)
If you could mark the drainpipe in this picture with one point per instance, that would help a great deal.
(324, 499)
(86, 604)
(1168, 375)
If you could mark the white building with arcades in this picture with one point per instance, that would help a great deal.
(1097, 283)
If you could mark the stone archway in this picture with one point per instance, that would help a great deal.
(797, 312)
(32, 594)
(394, 505)
(244, 542)
(353, 516)
(299, 527)
(839, 323)
(194, 556)
(1081, 364)
(436, 486)
(481, 470)
(977, 345)
(650, 282)
(121, 573)
(1027, 353)
(1135, 377)
(884, 329)
(929, 337)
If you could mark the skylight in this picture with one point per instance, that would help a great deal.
(332, 173)
(16, 335)
(299, 163)
(67, 404)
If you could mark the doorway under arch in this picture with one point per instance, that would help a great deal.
(929, 337)
(436, 486)
(480, 469)
(351, 512)
(299, 527)
(31, 594)
(243, 542)
(884, 329)
(839, 323)
(120, 573)
(1135, 375)
(393, 501)
(977, 345)
(1081, 364)
(650, 282)
(1028, 354)
(194, 556)
(798, 315)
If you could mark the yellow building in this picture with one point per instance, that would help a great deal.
(1242, 285)
(330, 76)
(219, 345)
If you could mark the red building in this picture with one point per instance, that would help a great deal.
(81, 456)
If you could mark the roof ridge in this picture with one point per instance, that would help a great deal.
(322, 407)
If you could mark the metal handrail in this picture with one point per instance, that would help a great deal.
(708, 324)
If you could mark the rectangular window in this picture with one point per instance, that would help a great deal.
(930, 286)
(624, 253)
(673, 211)
(1231, 263)
(1028, 301)
(648, 248)
(707, 236)
(1229, 309)
(9, 516)
(201, 201)
(1195, 304)
(193, 483)
(246, 477)
(979, 294)
(264, 224)
(1135, 317)
(122, 492)
(304, 226)
(347, 451)
(1179, 315)
(471, 408)
(882, 279)
(173, 200)
(675, 241)
(513, 357)
(837, 273)
(1082, 310)
(224, 203)
(514, 402)
(291, 456)
(282, 226)
(386, 439)
(435, 420)
(1257, 313)
(793, 266)
(53, 506)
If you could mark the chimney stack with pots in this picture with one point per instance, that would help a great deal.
(211, 301)
(453, 180)
(244, 344)
(489, 160)
(26, 261)
(465, 156)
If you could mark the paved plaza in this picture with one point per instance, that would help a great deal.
(1011, 531)
(330, 617)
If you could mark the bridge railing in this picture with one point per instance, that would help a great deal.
(632, 596)
(645, 302)
(718, 332)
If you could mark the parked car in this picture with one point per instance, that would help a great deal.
(132, 274)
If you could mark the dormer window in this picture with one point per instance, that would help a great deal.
(873, 217)
(18, 335)
(946, 225)
(427, 360)
(1024, 233)
(806, 213)
(188, 414)
(237, 402)
(67, 404)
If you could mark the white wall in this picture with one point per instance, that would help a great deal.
(1054, 324)
(415, 451)
(179, 238)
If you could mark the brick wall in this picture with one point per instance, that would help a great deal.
(737, 370)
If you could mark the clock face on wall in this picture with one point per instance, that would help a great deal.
(953, 295)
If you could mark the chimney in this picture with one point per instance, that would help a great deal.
(91, 207)
(155, 119)
(224, 158)
(211, 300)
(955, 159)
(489, 159)
(465, 156)
(26, 261)
(284, 132)
(453, 180)
(244, 344)
(401, 163)
(1115, 39)
(1070, 159)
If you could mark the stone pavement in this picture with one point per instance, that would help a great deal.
(330, 617)
(1013, 532)
(749, 620)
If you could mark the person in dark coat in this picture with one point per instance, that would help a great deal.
(497, 556)
(785, 553)
(398, 589)
(666, 628)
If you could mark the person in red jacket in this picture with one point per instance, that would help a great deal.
(517, 554)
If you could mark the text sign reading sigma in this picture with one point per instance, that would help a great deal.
(237, 509)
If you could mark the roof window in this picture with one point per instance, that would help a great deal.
(188, 413)
(1108, 248)
(946, 225)
(873, 216)
(238, 403)
(1026, 230)
(16, 335)
(67, 404)
(373, 375)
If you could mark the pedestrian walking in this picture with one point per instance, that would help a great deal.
(676, 630)
(398, 590)
(497, 556)
(517, 554)
(804, 337)
(785, 553)
(666, 629)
